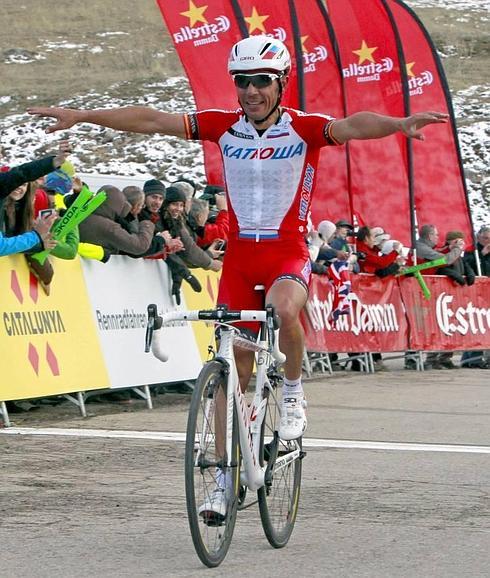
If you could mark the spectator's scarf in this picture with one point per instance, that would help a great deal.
(340, 277)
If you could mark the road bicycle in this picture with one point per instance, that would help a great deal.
(232, 436)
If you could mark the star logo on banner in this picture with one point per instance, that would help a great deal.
(256, 21)
(195, 14)
(303, 47)
(365, 53)
(410, 65)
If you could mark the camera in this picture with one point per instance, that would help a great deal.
(44, 213)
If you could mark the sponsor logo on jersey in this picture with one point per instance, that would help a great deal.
(265, 153)
(306, 188)
(239, 134)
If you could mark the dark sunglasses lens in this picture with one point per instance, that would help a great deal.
(258, 80)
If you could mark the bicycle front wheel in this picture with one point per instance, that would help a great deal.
(279, 498)
(211, 476)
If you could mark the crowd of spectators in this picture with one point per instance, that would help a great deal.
(188, 229)
(341, 247)
(168, 222)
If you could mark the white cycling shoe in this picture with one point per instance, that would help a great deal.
(293, 417)
(213, 510)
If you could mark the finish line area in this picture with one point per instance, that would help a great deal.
(307, 442)
(395, 483)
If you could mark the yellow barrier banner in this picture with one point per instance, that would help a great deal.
(203, 332)
(48, 343)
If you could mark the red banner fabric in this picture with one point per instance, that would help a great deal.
(377, 321)
(455, 318)
(372, 81)
(203, 32)
(393, 315)
(440, 196)
(323, 93)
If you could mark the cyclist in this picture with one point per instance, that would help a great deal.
(270, 155)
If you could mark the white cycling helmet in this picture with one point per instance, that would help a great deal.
(257, 53)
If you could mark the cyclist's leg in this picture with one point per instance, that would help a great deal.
(288, 293)
(288, 297)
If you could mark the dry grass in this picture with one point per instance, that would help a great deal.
(145, 52)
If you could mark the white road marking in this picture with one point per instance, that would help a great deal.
(307, 442)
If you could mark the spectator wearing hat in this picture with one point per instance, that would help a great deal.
(342, 230)
(476, 359)
(426, 251)
(154, 191)
(460, 270)
(174, 221)
(462, 274)
(107, 226)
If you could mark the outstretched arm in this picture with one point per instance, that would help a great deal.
(369, 125)
(130, 119)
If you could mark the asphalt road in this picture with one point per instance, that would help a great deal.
(86, 506)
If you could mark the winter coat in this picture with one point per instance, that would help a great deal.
(373, 262)
(193, 255)
(20, 243)
(484, 260)
(102, 226)
(25, 173)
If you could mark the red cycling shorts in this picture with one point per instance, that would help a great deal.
(249, 263)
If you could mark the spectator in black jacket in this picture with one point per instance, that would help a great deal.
(476, 359)
(27, 172)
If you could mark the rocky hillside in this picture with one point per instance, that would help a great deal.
(93, 55)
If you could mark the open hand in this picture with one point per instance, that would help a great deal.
(412, 124)
(65, 117)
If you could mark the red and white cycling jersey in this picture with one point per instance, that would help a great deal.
(269, 177)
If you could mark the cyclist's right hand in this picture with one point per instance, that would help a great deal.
(65, 117)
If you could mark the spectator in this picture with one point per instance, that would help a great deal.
(136, 198)
(173, 217)
(58, 184)
(460, 270)
(476, 359)
(14, 236)
(154, 191)
(425, 248)
(370, 259)
(205, 233)
(103, 227)
(339, 240)
(163, 245)
(189, 192)
(462, 274)
(12, 178)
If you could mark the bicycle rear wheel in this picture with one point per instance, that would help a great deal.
(206, 460)
(279, 498)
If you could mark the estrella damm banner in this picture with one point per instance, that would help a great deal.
(48, 343)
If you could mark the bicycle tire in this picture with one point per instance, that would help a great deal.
(278, 502)
(211, 537)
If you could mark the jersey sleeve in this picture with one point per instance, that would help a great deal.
(316, 129)
(208, 124)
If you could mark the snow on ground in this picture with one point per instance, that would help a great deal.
(106, 152)
(465, 5)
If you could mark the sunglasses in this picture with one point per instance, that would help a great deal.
(257, 80)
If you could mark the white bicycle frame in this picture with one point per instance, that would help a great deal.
(250, 418)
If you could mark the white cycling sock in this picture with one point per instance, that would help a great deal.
(220, 478)
(292, 387)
